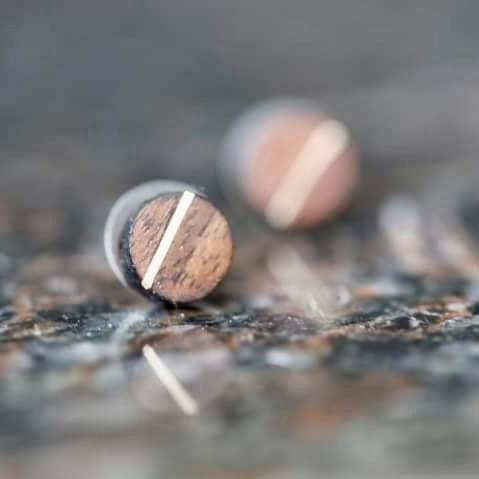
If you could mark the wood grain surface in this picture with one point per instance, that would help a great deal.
(200, 254)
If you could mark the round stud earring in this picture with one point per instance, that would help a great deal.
(290, 162)
(168, 242)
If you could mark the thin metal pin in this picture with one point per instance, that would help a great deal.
(184, 400)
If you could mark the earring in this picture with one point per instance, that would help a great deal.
(290, 162)
(168, 242)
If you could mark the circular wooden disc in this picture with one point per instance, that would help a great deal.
(273, 154)
(197, 258)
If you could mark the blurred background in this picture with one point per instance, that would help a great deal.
(99, 95)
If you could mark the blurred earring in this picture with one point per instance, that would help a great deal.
(290, 162)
